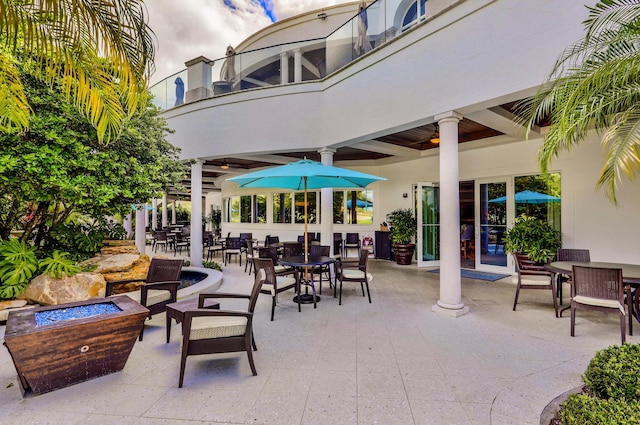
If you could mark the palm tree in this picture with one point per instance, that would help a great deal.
(595, 85)
(100, 53)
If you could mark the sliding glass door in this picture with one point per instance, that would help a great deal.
(494, 209)
(428, 207)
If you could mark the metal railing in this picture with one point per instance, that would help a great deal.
(298, 61)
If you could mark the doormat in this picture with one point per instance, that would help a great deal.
(474, 274)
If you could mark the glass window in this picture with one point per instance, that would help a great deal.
(260, 209)
(282, 208)
(412, 13)
(338, 207)
(233, 209)
(359, 207)
(312, 207)
(539, 196)
(245, 209)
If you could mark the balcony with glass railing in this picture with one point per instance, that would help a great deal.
(294, 62)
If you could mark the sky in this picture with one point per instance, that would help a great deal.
(190, 28)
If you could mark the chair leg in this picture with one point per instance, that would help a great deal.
(553, 294)
(141, 332)
(183, 362)
(623, 333)
(273, 306)
(250, 354)
(340, 297)
(515, 301)
(366, 282)
(573, 320)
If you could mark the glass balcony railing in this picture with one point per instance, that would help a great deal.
(298, 61)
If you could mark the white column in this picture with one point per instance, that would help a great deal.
(164, 211)
(284, 68)
(196, 214)
(326, 199)
(198, 79)
(128, 225)
(141, 216)
(154, 213)
(173, 212)
(297, 66)
(450, 302)
(147, 219)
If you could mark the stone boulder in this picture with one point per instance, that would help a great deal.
(137, 271)
(47, 290)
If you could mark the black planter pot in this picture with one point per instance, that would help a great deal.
(404, 253)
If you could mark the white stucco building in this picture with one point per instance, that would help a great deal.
(302, 87)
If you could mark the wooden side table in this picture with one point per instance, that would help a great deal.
(176, 311)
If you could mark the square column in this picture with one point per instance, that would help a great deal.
(196, 214)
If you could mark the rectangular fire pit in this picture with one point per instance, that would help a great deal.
(57, 346)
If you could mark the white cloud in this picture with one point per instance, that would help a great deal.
(192, 28)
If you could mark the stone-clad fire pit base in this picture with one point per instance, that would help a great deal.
(63, 353)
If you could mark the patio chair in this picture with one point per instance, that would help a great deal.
(246, 239)
(351, 241)
(272, 253)
(273, 283)
(213, 247)
(292, 249)
(158, 289)
(316, 251)
(467, 242)
(532, 275)
(160, 239)
(208, 331)
(249, 257)
(181, 242)
(599, 289)
(337, 245)
(350, 271)
(233, 246)
(569, 254)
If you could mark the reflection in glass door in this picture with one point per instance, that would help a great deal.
(428, 225)
(492, 207)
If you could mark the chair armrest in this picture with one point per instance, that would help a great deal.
(168, 286)
(206, 296)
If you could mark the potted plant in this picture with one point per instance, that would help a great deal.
(534, 238)
(403, 228)
(215, 218)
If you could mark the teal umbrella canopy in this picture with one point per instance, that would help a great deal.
(294, 174)
(529, 197)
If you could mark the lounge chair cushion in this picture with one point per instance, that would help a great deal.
(153, 297)
(355, 274)
(535, 280)
(283, 283)
(599, 302)
(217, 327)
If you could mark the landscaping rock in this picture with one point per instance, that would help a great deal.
(138, 270)
(122, 249)
(113, 263)
(47, 290)
(12, 305)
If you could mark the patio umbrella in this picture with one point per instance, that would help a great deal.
(179, 91)
(362, 45)
(529, 197)
(359, 204)
(304, 175)
(228, 71)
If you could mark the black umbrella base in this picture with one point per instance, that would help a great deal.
(305, 299)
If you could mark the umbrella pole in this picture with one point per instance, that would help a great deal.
(306, 242)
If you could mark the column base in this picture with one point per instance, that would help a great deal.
(450, 312)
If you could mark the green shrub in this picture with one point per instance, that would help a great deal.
(580, 409)
(59, 263)
(615, 373)
(212, 265)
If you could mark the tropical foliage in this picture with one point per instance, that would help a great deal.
(533, 237)
(99, 53)
(403, 226)
(595, 84)
(58, 168)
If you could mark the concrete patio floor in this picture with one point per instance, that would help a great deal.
(390, 362)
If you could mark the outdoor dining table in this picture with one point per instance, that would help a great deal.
(630, 275)
(299, 262)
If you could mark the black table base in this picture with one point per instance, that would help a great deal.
(305, 299)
